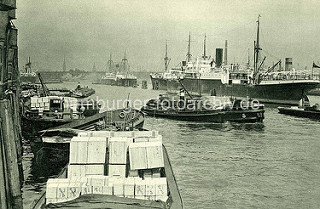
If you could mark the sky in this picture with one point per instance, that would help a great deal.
(85, 32)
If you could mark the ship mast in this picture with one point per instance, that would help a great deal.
(125, 61)
(189, 55)
(28, 66)
(204, 46)
(166, 58)
(110, 62)
(257, 47)
(94, 67)
(248, 63)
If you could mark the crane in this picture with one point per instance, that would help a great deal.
(45, 89)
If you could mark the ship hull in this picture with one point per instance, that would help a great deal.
(299, 112)
(240, 116)
(280, 92)
(127, 82)
(158, 83)
(28, 79)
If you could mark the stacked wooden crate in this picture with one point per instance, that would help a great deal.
(40, 103)
(132, 161)
(87, 156)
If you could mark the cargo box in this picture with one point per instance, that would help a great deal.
(118, 150)
(129, 187)
(74, 190)
(118, 187)
(86, 189)
(106, 134)
(76, 171)
(117, 170)
(147, 134)
(140, 189)
(154, 155)
(138, 156)
(141, 139)
(150, 187)
(95, 169)
(157, 138)
(97, 149)
(107, 190)
(133, 173)
(161, 187)
(147, 174)
(78, 150)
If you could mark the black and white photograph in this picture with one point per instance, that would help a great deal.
(181, 104)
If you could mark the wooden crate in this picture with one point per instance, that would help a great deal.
(118, 150)
(78, 150)
(147, 174)
(86, 189)
(157, 138)
(97, 149)
(161, 187)
(107, 190)
(140, 189)
(75, 170)
(129, 187)
(117, 170)
(147, 134)
(95, 169)
(138, 156)
(150, 189)
(118, 187)
(154, 155)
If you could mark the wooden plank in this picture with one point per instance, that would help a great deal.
(11, 153)
(3, 178)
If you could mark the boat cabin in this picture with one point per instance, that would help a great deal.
(310, 102)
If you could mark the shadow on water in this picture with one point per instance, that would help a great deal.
(48, 161)
(223, 126)
(248, 126)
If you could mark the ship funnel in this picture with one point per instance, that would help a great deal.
(226, 52)
(219, 56)
(288, 65)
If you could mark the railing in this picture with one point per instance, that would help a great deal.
(295, 76)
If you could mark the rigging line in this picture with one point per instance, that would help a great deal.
(234, 29)
(265, 48)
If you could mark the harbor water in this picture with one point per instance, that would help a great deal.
(274, 164)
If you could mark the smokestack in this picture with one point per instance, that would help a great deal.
(225, 52)
(288, 65)
(219, 56)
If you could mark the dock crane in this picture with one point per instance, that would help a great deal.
(45, 89)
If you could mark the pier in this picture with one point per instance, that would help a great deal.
(10, 132)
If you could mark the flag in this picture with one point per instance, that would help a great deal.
(315, 66)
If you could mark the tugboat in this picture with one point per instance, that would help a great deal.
(204, 109)
(81, 92)
(309, 107)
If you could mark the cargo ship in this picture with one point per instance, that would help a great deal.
(120, 76)
(159, 80)
(206, 75)
(28, 77)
